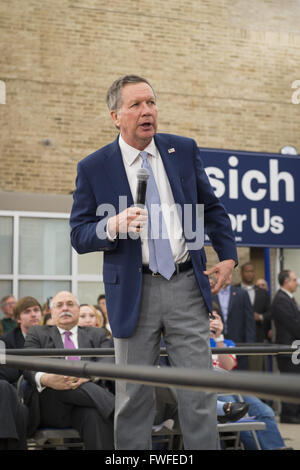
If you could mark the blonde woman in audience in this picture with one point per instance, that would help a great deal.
(89, 316)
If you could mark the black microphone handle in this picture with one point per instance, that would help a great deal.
(141, 193)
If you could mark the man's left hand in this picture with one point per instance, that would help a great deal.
(75, 382)
(222, 272)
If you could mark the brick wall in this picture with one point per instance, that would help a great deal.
(222, 70)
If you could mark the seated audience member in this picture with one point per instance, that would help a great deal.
(27, 313)
(66, 401)
(102, 304)
(270, 438)
(102, 319)
(90, 316)
(237, 316)
(46, 308)
(103, 322)
(7, 306)
(13, 422)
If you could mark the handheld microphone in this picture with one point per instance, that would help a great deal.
(142, 177)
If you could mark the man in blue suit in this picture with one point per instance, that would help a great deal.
(237, 316)
(155, 283)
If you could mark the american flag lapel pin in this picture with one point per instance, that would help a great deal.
(172, 150)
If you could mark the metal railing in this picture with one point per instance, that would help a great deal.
(249, 349)
(282, 387)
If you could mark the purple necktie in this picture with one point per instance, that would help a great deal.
(70, 345)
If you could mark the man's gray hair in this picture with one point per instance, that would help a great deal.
(114, 94)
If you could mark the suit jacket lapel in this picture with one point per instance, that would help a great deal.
(172, 167)
(116, 173)
(56, 337)
(83, 339)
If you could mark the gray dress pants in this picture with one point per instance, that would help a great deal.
(176, 310)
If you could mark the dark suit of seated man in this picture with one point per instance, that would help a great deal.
(71, 401)
(14, 415)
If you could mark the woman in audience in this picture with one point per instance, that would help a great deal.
(270, 438)
(105, 323)
(89, 316)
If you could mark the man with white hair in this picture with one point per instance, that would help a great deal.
(71, 401)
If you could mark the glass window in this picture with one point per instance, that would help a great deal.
(90, 263)
(5, 289)
(6, 245)
(88, 292)
(41, 290)
(44, 258)
(44, 246)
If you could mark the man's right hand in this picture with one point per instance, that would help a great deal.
(132, 219)
(55, 381)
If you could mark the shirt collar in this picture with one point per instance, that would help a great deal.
(247, 287)
(225, 290)
(73, 330)
(130, 154)
(287, 292)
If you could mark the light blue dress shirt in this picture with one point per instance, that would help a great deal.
(224, 296)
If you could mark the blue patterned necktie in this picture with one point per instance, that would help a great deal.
(160, 254)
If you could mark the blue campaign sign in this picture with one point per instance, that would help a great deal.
(261, 193)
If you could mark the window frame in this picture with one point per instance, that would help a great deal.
(16, 277)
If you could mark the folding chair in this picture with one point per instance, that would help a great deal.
(46, 438)
(232, 432)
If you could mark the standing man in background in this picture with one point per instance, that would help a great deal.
(286, 316)
(154, 284)
(260, 301)
(237, 316)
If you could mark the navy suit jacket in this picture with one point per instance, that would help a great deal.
(286, 315)
(240, 324)
(101, 178)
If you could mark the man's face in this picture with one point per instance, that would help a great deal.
(65, 310)
(8, 307)
(248, 274)
(291, 283)
(137, 116)
(31, 316)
